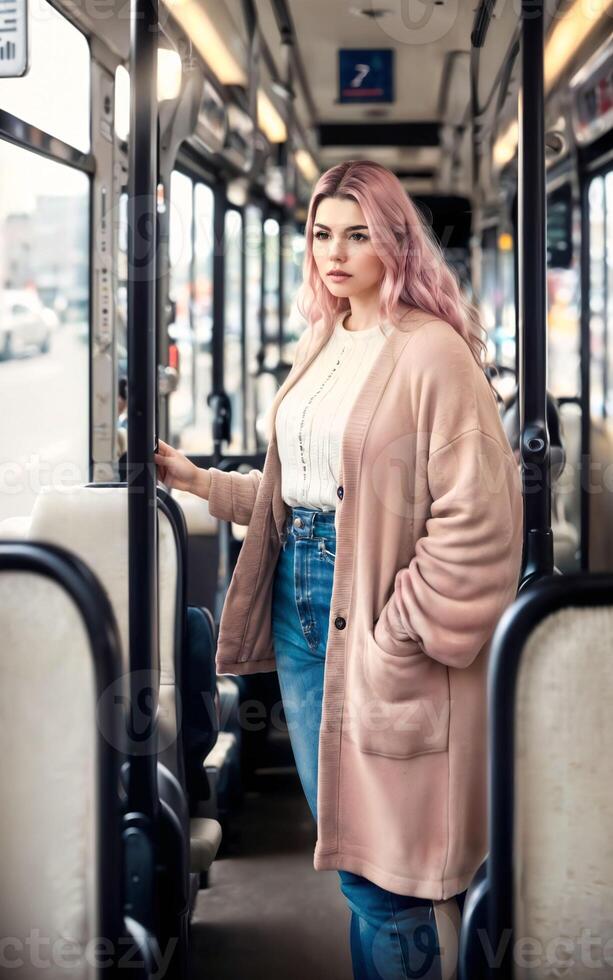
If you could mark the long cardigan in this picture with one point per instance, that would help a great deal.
(429, 527)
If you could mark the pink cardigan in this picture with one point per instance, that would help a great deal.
(429, 546)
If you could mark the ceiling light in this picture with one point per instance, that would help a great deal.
(209, 43)
(269, 120)
(570, 30)
(169, 74)
(506, 145)
(306, 165)
(568, 34)
(237, 191)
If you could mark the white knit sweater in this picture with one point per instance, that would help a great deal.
(311, 418)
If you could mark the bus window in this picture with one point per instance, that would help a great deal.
(182, 401)
(44, 327)
(489, 296)
(121, 297)
(563, 296)
(254, 260)
(201, 439)
(271, 279)
(292, 280)
(609, 279)
(597, 297)
(506, 298)
(192, 289)
(233, 381)
(66, 114)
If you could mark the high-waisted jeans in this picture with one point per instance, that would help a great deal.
(392, 937)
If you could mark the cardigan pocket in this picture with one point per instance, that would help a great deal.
(406, 706)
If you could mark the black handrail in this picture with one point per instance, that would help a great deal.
(532, 203)
(142, 237)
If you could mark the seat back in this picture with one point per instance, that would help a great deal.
(550, 864)
(92, 522)
(60, 830)
(202, 551)
(601, 499)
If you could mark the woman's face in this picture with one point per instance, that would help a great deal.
(341, 241)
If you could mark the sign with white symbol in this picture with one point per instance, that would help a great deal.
(13, 38)
(366, 75)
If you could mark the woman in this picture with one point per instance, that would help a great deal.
(384, 542)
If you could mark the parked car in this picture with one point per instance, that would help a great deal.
(25, 323)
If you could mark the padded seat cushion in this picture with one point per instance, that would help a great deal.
(205, 838)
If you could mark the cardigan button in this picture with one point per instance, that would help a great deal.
(339, 493)
(340, 623)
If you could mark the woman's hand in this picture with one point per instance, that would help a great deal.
(175, 470)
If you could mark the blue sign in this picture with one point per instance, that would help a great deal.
(366, 75)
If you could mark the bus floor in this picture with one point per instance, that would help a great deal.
(267, 914)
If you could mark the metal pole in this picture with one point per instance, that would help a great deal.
(244, 362)
(585, 377)
(142, 499)
(532, 299)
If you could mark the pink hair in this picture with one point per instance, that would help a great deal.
(416, 272)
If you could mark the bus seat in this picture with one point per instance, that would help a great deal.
(601, 499)
(14, 528)
(202, 549)
(92, 521)
(222, 766)
(60, 827)
(222, 776)
(205, 841)
(93, 524)
(229, 706)
(198, 518)
(550, 861)
(200, 722)
(203, 632)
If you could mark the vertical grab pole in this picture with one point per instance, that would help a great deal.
(586, 414)
(538, 559)
(142, 499)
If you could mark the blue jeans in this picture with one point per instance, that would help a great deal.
(392, 937)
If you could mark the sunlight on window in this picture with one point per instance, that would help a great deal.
(55, 93)
(44, 328)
